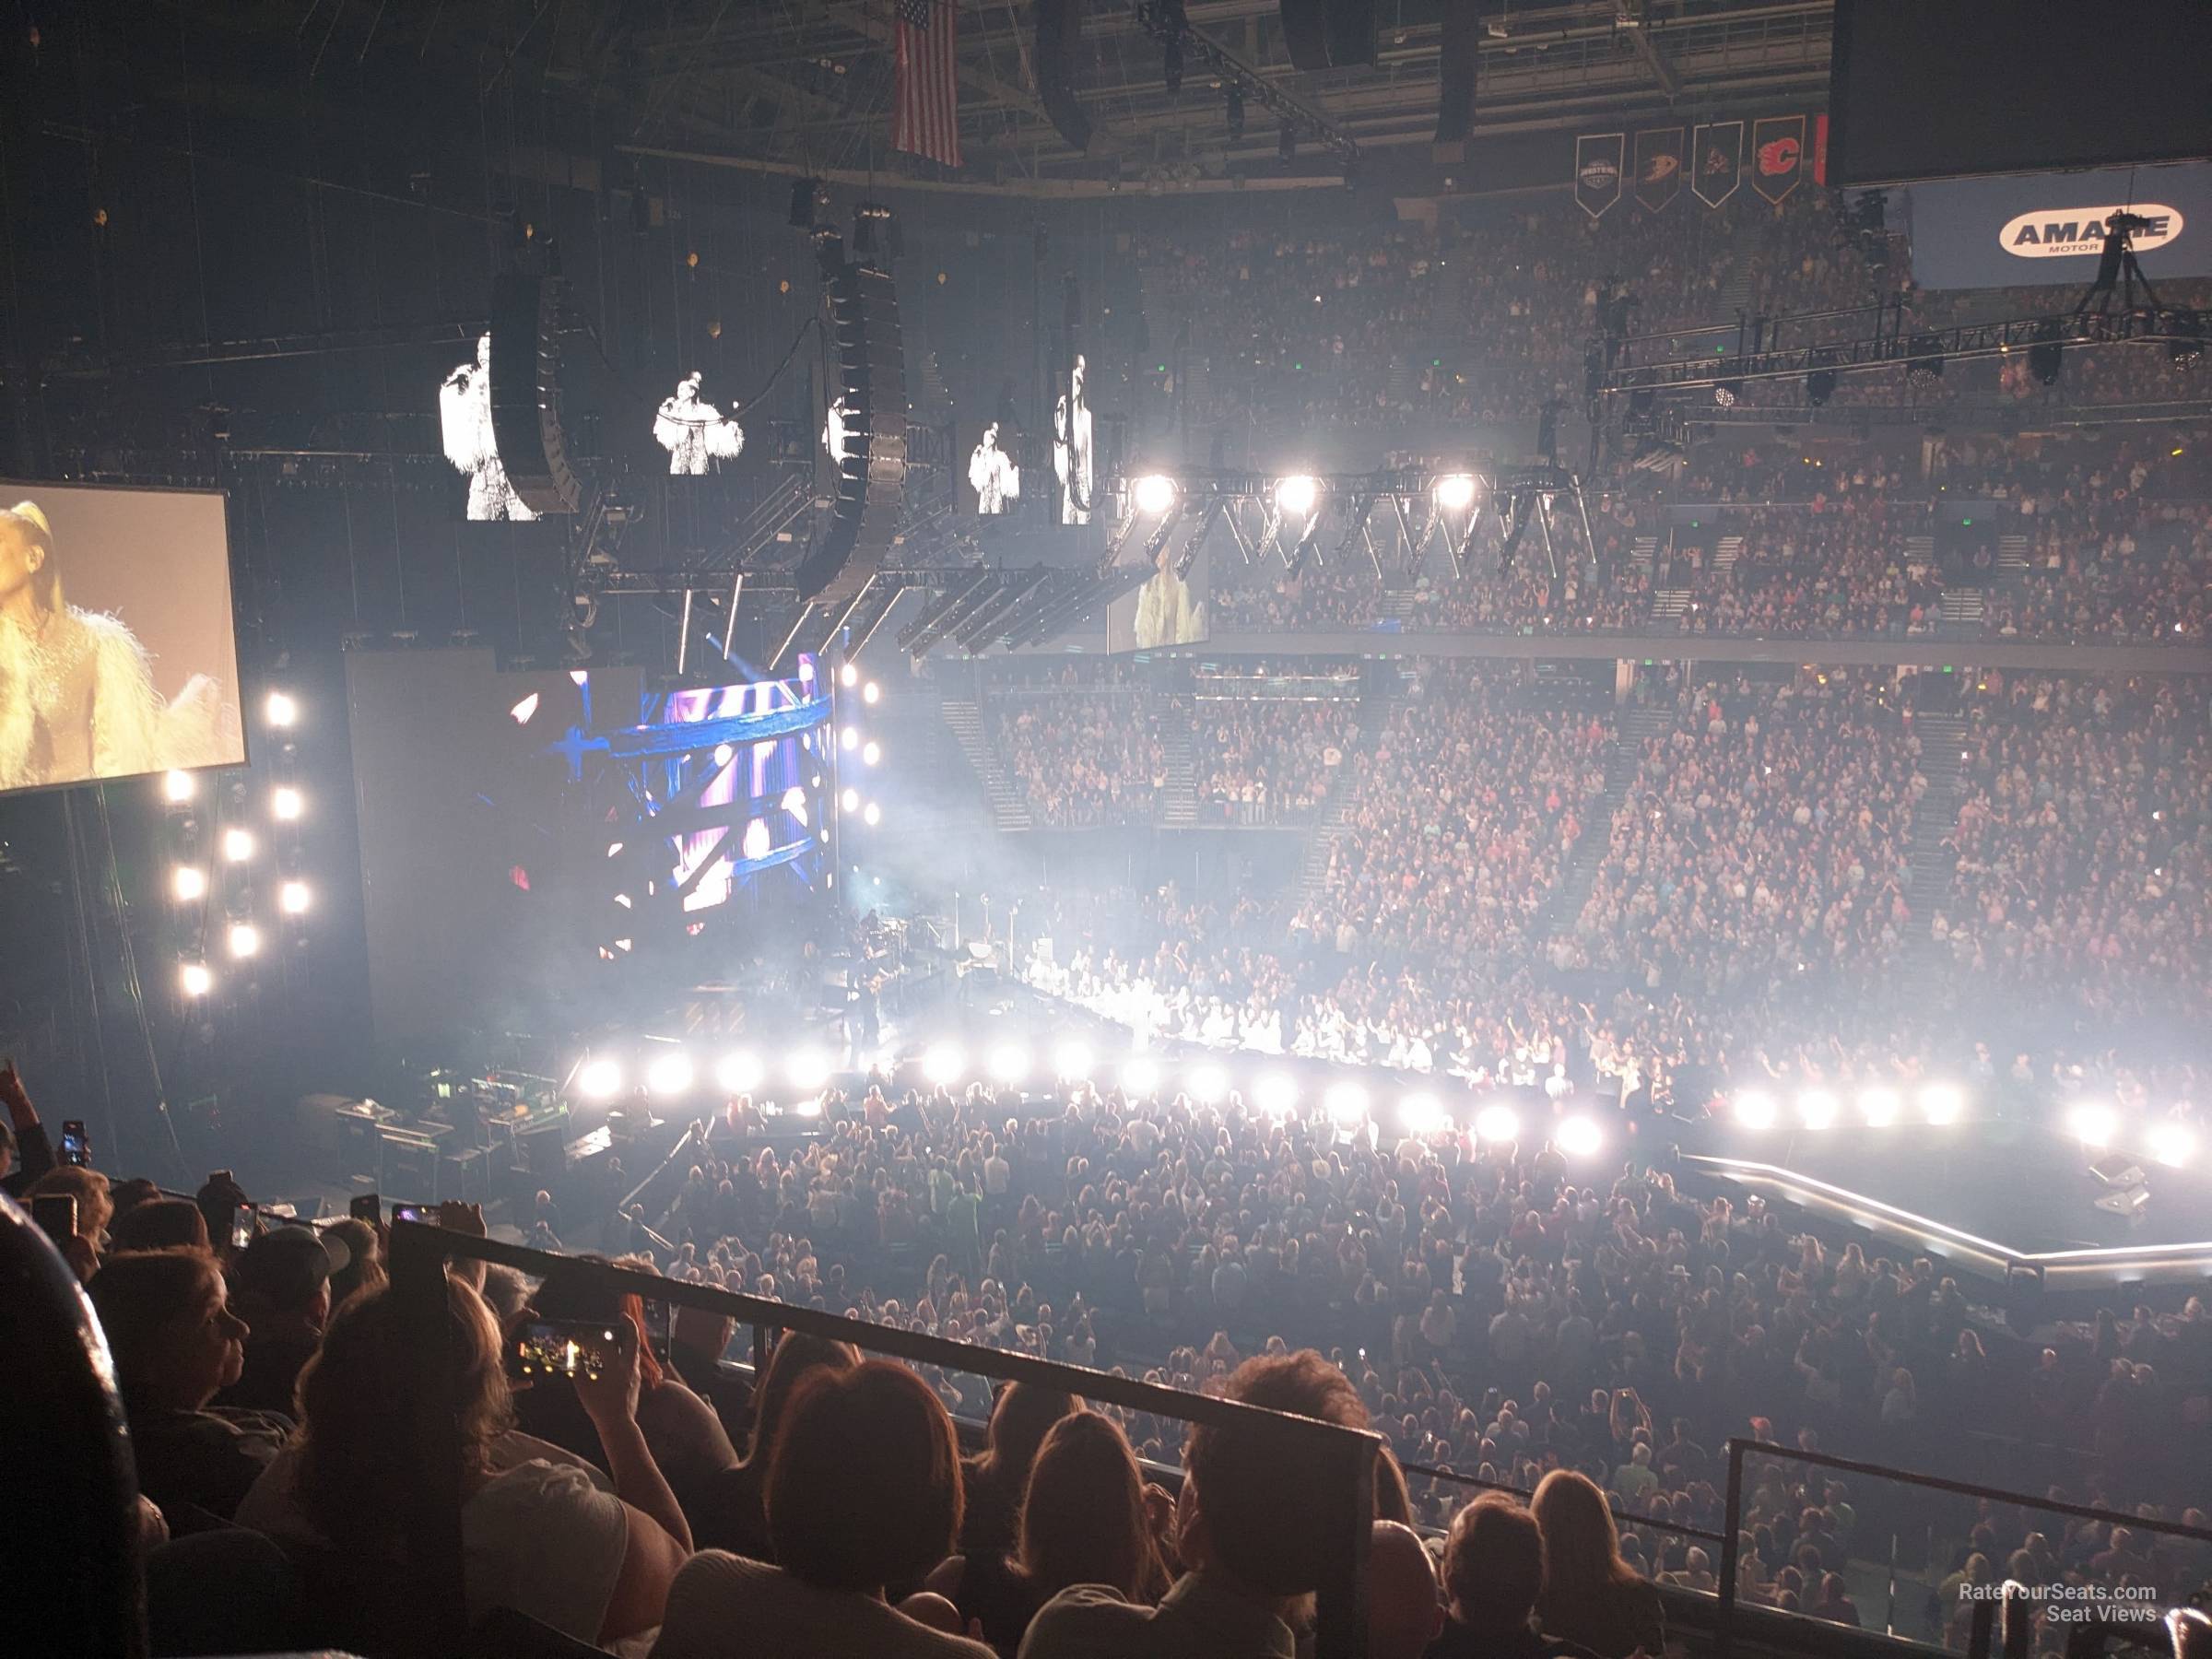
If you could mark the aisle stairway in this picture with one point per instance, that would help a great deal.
(1942, 737)
(2012, 552)
(1179, 800)
(965, 720)
(1633, 729)
(1382, 691)
(1962, 608)
(1725, 552)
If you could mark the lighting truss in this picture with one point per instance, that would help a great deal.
(1165, 22)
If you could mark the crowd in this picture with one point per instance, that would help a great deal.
(1264, 758)
(1084, 752)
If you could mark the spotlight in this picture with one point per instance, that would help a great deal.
(285, 803)
(245, 939)
(870, 752)
(1423, 1115)
(848, 676)
(669, 1073)
(187, 882)
(943, 1064)
(280, 709)
(293, 898)
(194, 979)
(2172, 1143)
(1154, 493)
(1297, 494)
(739, 1072)
(1941, 1103)
(2092, 1125)
(179, 786)
(1140, 1076)
(1820, 384)
(1925, 355)
(1346, 1104)
(1009, 1064)
(1207, 1084)
(237, 845)
(1727, 392)
(1754, 1110)
(1879, 1107)
(1072, 1061)
(849, 738)
(2187, 347)
(810, 1107)
(599, 1079)
(808, 1070)
(1498, 1124)
(871, 693)
(871, 815)
(850, 800)
(1578, 1137)
(1817, 1109)
(1456, 491)
(1275, 1093)
(2045, 354)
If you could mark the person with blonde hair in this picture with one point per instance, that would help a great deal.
(77, 690)
(1591, 1596)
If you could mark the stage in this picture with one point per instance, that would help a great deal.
(1996, 1198)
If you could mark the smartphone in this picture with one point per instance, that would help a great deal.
(241, 1226)
(369, 1208)
(221, 1178)
(76, 1147)
(563, 1347)
(425, 1213)
(56, 1214)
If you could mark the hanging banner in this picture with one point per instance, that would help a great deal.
(1597, 159)
(1717, 154)
(1777, 155)
(1658, 167)
(1821, 149)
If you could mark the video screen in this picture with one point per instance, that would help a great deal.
(1074, 451)
(992, 488)
(465, 424)
(1170, 607)
(697, 436)
(118, 650)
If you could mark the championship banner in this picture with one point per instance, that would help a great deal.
(1777, 155)
(1717, 156)
(1658, 167)
(1597, 158)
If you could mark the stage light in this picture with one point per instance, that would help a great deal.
(1275, 1093)
(187, 882)
(850, 800)
(245, 939)
(943, 1064)
(871, 815)
(794, 803)
(1754, 1110)
(871, 692)
(811, 1107)
(1817, 1109)
(179, 786)
(1140, 1076)
(757, 840)
(1072, 1061)
(1878, 1106)
(293, 898)
(194, 979)
(849, 738)
(1727, 392)
(669, 1073)
(2092, 1124)
(1297, 494)
(285, 803)
(2172, 1143)
(739, 1072)
(280, 709)
(1578, 1137)
(1423, 1115)
(1498, 1124)
(1206, 1084)
(1345, 1103)
(2048, 352)
(599, 1079)
(808, 1070)
(1456, 491)
(870, 753)
(1153, 493)
(1009, 1064)
(848, 676)
(1941, 1103)
(237, 845)
(522, 711)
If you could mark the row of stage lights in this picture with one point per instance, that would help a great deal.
(1296, 495)
(2095, 1124)
(674, 1072)
(851, 740)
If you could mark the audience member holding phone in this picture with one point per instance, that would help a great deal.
(25, 1154)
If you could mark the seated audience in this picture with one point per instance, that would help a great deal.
(1404, 1616)
(1493, 1573)
(995, 1479)
(732, 1507)
(1591, 1596)
(280, 1286)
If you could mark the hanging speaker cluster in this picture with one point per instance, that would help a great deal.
(525, 392)
(862, 308)
(1059, 40)
(1331, 34)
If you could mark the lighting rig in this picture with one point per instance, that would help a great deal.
(1165, 21)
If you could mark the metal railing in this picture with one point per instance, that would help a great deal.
(1343, 1459)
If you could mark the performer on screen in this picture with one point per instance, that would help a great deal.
(993, 475)
(77, 690)
(1071, 448)
(465, 422)
(1167, 613)
(695, 434)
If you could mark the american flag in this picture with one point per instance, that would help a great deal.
(928, 123)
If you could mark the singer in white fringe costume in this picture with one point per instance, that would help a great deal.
(1071, 448)
(77, 690)
(993, 475)
(694, 433)
(465, 422)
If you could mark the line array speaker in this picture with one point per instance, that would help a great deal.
(1059, 34)
(1331, 34)
(1456, 89)
(525, 392)
(870, 366)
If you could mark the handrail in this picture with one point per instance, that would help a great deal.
(1433, 1473)
(1345, 1457)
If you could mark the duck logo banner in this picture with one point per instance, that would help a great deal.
(1658, 167)
(1716, 154)
(1597, 160)
(1777, 155)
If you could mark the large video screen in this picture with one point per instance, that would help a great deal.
(118, 650)
(1170, 607)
